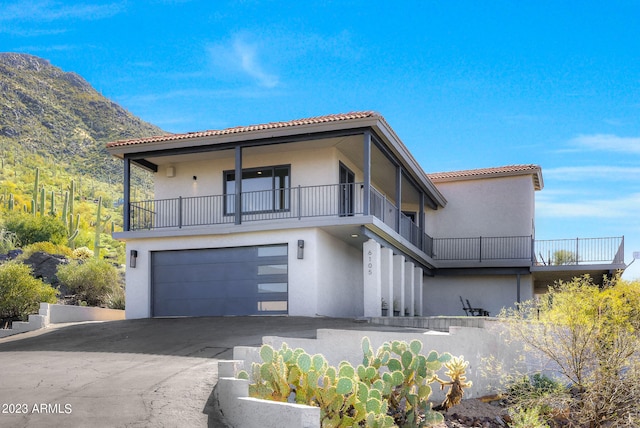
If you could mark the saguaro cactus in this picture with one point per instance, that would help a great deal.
(34, 200)
(68, 218)
(100, 227)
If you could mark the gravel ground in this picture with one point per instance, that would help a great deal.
(475, 413)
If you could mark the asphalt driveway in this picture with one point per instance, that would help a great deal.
(134, 373)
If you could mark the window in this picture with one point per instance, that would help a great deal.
(263, 189)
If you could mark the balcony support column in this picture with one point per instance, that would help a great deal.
(421, 225)
(238, 195)
(366, 169)
(398, 198)
(126, 215)
(372, 278)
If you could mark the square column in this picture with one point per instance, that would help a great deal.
(409, 289)
(372, 278)
(398, 283)
(417, 284)
(386, 265)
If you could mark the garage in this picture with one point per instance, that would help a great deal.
(220, 281)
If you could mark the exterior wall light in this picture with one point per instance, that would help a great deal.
(301, 248)
(133, 257)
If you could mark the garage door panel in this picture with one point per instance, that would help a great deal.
(204, 290)
(195, 257)
(215, 282)
(225, 272)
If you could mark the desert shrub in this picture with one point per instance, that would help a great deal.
(8, 241)
(116, 299)
(590, 336)
(21, 293)
(29, 228)
(82, 253)
(45, 247)
(536, 386)
(526, 418)
(90, 280)
(390, 388)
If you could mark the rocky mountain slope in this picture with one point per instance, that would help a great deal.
(57, 114)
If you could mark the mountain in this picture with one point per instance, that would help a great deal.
(58, 115)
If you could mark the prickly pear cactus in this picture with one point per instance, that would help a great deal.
(390, 388)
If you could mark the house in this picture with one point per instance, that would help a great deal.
(331, 216)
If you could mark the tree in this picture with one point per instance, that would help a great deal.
(564, 257)
(591, 337)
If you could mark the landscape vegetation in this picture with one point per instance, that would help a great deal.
(60, 191)
(60, 197)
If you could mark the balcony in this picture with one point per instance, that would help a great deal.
(347, 200)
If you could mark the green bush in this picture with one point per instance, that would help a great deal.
(116, 299)
(45, 247)
(591, 334)
(92, 280)
(527, 418)
(21, 293)
(8, 241)
(30, 229)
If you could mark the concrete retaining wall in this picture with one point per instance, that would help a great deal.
(474, 344)
(241, 411)
(57, 314)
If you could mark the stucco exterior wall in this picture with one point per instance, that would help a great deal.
(502, 206)
(340, 279)
(491, 292)
(327, 281)
(308, 168)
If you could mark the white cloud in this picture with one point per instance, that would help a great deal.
(47, 10)
(600, 172)
(607, 142)
(616, 208)
(242, 55)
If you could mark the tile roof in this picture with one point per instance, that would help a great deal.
(241, 129)
(503, 171)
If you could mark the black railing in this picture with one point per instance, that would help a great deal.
(345, 200)
(296, 202)
(482, 248)
(557, 252)
(579, 251)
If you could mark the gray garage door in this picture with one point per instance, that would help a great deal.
(221, 281)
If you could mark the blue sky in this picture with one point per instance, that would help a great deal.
(465, 84)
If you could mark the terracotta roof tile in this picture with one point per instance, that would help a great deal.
(241, 129)
(471, 174)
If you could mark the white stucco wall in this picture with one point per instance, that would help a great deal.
(340, 278)
(502, 206)
(326, 282)
(442, 293)
(308, 168)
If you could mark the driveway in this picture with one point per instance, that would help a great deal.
(134, 373)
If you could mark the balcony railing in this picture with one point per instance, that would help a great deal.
(579, 251)
(346, 200)
(482, 248)
(296, 202)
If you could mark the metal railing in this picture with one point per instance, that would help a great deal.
(482, 248)
(342, 200)
(579, 251)
(296, 202)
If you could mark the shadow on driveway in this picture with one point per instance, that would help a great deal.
(206, 337)
(134, 373)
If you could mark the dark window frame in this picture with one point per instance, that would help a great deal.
(280, 196)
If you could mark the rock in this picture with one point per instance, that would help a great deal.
(45, 266)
